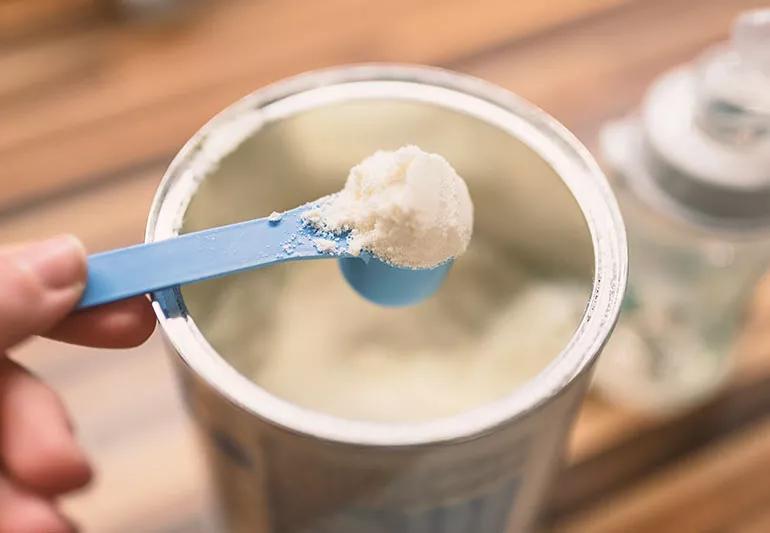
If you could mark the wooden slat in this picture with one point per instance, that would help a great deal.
(152, 91)
(707, 492)
(631, 457)
(104, 217)
(145, 483)
(757, 522)
(599, 426)
(21, 18)
(38, 66)
(600, 68)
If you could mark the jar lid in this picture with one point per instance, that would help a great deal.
(706, 128)
(733, 84)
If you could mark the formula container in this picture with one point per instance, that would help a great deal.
(691, 169)
(323, 413)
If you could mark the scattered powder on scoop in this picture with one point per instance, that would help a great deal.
(408, 207)
(325, 246)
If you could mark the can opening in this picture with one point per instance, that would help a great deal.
(509, 308)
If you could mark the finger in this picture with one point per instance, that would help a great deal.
(22, 511)
(37, 447)
(118, 325)
(39, 284)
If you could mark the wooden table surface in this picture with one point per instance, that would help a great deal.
(92, 109)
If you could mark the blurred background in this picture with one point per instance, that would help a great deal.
(96, 96)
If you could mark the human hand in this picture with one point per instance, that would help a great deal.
(40, 460)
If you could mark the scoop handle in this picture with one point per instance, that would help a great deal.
(144, 268)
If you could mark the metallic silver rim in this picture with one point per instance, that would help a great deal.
(557, 146)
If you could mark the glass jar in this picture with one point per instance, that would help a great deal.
(691, 171)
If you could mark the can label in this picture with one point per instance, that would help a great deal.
(431, 482)
(486, 513)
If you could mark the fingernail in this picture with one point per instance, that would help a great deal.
(58, 262)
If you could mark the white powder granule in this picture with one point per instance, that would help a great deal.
(408, 207)
(325, 246)
(275, 217)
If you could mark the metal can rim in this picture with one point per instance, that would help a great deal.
(543, 134)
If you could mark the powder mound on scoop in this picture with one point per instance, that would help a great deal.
(408, 207)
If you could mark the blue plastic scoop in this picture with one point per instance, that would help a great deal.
(215, 252)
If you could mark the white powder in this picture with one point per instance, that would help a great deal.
(325, 246)
(275, 217)
(473, 343)
(408, 207)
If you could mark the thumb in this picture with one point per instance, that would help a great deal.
(39, 284)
